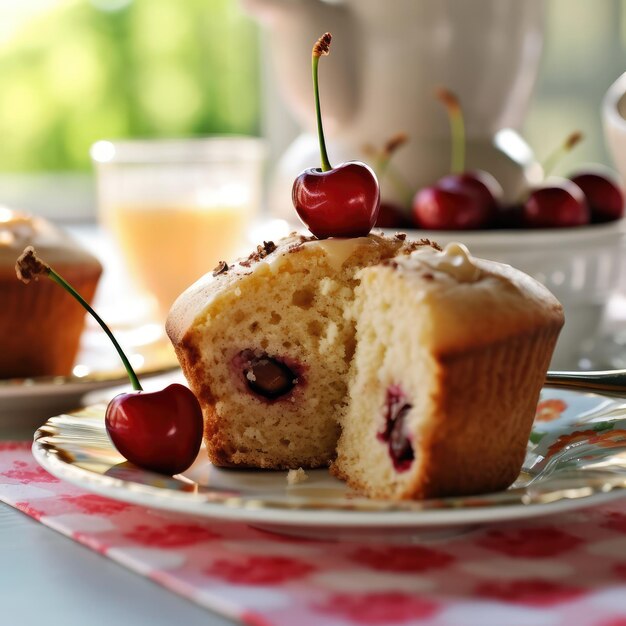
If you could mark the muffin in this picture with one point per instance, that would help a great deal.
(266, 347)
(451, 354)
(428, 363)
(40, 324)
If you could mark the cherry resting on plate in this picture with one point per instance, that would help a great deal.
(461, 200)
(335, 202)
(603, 194)
(159, 431)
(560, 204)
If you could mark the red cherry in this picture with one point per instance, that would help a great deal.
(342, 202)
(391, 215)
(159, 431)
(461, 200)
(480, 182)
(604, 195)
(436, 208)
(561, 204)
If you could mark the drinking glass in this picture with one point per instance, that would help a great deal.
(177, 207)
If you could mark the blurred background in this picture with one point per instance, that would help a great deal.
(75, 71)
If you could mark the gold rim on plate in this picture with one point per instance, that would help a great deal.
(576, 457)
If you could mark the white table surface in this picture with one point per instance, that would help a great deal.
(46, 578)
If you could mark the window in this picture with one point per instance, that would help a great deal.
(75, 71)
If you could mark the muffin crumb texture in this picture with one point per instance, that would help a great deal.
(268, 352)
(413, 372)
(296, 476)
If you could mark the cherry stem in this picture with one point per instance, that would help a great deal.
(385, 169)
(457, 128)
(551, 161)
(321, 48)
(30, 266)
(400, 184)
(389, 149)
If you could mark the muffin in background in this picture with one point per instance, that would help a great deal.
(40, 324)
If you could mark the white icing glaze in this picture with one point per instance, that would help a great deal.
(339, 251)
(273, 263)
(18, 230)
(15, 229)
(455, 260)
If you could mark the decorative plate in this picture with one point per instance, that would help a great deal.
(97, 366)
(576, 457)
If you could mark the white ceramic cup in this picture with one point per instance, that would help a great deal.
(614, 121)
(386, 60)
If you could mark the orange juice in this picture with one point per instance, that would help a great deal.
(168, 247)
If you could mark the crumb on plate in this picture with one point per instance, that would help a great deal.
(297, 476)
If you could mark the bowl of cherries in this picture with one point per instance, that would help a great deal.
(568, 232)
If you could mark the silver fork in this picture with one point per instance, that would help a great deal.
(607, 381)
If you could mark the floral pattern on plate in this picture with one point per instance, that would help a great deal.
(576, 457)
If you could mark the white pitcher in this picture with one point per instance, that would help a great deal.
(387, 58)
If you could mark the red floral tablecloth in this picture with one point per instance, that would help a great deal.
(555, 571)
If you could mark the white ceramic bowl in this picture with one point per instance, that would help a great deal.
(582, 266)
(614, 121)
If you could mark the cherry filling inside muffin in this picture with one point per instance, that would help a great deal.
(266, 376)
(394, 433)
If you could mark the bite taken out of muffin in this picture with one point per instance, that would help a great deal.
(411, 371)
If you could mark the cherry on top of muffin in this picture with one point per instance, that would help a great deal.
(340, 201)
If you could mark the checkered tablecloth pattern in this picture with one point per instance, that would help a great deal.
(555, 571)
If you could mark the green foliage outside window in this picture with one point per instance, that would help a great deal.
(124, 68)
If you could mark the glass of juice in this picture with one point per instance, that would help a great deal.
(177, 207)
